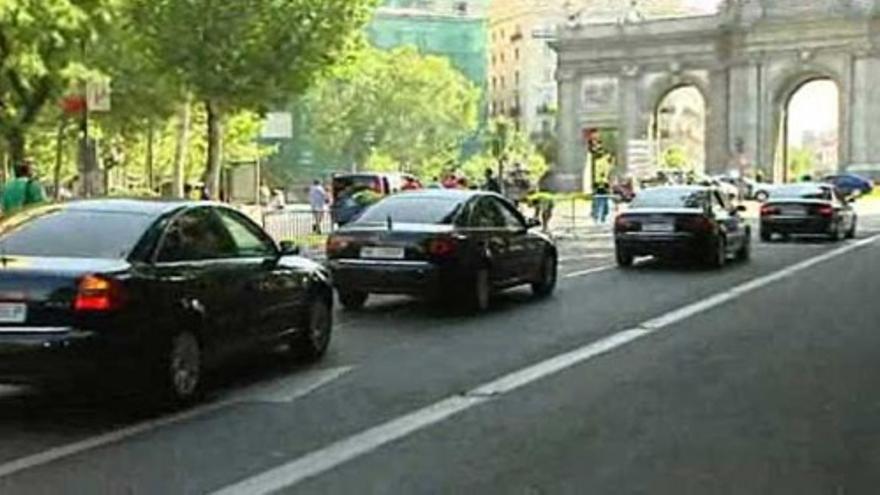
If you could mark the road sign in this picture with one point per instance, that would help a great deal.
(277, 125)
(98, 95)
(641, 157)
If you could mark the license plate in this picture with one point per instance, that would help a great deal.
(792, 210)
(658, 227)
(383, 253)
(13, 312)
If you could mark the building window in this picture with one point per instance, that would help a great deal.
(502, 82)
(516, 54)
(516, 75)
(502, 57)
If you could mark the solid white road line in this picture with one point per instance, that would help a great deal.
(608, 253)
(338, 453)
(291, 389)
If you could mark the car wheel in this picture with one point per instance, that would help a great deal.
(625, 259)
(745, 251)
(836, 234)
(717, 257)
(549, 271)
(766, 235)
(479, 297)
(311, 344)
(761, 196)
(353, 300)
(182, 369)
(851, 233)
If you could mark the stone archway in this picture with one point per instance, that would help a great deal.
(686, 127)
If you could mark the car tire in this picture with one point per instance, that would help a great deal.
(761, 196)
(352, 300)
(549, 277)
(479, 297)
(311, 344)
(181, 369)
(745, 251)
(624, 258)
(766, 236)
(836, 235)
(851, 233)
(717, 257)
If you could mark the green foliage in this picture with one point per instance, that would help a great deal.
(801, 162)
(41, 54)
(502, 139)
(675, 157)
(402, 106)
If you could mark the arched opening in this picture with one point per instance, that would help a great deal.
(679, 131)
(811, 130)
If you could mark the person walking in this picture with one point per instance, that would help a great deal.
(318, 204)
(491, 183)
(600, 202)
(22, 191)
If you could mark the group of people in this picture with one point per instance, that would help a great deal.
(22, 190)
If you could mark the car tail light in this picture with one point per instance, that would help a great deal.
(336, 245)
(98, 294)
(825, 210)
(697, 224)
(767, 210)
(442, 247)
(624, 224)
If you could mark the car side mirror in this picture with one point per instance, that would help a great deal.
(533, 223)
(289, 248)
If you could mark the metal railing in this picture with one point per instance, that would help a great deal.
(294, 222)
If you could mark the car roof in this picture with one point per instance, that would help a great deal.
(150, 207)
(805, 185)
(681, 189)
(450, 194)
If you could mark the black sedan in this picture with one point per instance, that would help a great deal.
(437, 243)
(807, 209)
(155, 292)
(690, 222)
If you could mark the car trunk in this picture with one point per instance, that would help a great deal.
(402, 242)
(660, 220)
(40, 292)
(794, 207)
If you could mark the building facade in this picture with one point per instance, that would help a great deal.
(747, 61)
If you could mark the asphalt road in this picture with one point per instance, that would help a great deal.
(665, 379)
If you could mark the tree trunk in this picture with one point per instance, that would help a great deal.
(151, 136)
(16, 140)
(59, 157)
(215, 149)
(181, 150)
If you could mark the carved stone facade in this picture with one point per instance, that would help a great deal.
(747, 61)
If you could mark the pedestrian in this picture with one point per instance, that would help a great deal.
(491, 183)
(318, 203)
(23, 190)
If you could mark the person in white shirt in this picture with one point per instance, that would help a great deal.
(318, 203)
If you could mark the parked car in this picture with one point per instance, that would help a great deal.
(156, 293)
(723, 184)
(347, 191)
(690, 222)
(807, 208)
(439, 243)
(850, 184)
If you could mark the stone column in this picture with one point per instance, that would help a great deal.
(572, 154)
(744, 115)
(630, 117)
(718, 146)
(864, 133)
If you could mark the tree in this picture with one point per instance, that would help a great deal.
(675, 157)
(41, 51)
(801, 162)
(233, 55)
(399, 104)
(502, 139)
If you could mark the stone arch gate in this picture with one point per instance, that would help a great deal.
(747, 61)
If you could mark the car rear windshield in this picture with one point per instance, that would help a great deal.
(669, 198)
(801, 192)
(60, 232)
(412, 209)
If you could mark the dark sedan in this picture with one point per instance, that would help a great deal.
(807, 209)
(690, 222)
(848, 185)
(149, 291)
(437, 243)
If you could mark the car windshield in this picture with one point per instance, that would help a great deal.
(347, 185)
(413, 209)
(669, 198)
(67, 233)
(801, 192)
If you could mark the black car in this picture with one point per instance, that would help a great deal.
(149, 290)
(807, 209)
(436, 243)
(691, 222)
